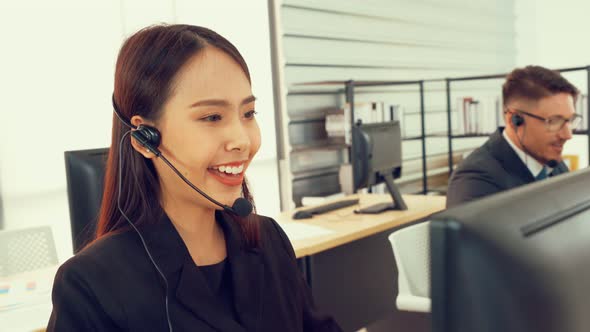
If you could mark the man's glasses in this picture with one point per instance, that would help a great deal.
(555, 122)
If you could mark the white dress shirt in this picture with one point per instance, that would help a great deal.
(533, 165)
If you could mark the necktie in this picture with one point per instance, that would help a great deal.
(542, 174)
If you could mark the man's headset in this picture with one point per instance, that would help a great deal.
(517, 120)
(150, 138)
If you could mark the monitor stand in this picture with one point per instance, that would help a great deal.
(398, 201)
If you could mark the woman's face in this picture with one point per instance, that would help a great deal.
(209, 130)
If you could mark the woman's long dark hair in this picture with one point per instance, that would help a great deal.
(147, 65)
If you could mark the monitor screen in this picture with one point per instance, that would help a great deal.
(377, 158)
(85, 170)
(386, 146)
(378, 151)
(515, 261)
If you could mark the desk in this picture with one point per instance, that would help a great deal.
(351, 271)
(346, 226)
(26, 306)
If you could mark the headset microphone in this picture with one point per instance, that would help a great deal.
(150, 138)
(552, 163)
(242, 207)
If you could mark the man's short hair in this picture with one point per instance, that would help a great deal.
(534, 83)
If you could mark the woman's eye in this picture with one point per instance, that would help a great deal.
(212, 118)
(250, 114)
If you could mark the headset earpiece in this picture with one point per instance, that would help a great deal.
(517, 120)
(149, 137)
(146, 135)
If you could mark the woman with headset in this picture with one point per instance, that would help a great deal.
(176, 246)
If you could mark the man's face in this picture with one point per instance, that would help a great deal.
(540, 142)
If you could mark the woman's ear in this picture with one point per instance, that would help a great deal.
(137, 120)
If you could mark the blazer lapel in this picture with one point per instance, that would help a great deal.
(247, 268)
(184, 278)
(165, 246)
(511, 162)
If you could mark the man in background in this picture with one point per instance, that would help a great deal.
(540, 116)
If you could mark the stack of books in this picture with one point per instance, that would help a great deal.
(478, 116)
(338, 122)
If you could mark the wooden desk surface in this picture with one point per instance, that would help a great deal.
(346, 226)
(27, 310)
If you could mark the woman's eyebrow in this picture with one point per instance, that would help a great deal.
(220, 102)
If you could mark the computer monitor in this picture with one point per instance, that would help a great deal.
(85, 170)
(377, 158)
(515, 261)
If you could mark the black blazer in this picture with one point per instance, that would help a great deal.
(489, 169)
(112, 286)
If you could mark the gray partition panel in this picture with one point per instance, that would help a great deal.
(317, 185)
(357, 283)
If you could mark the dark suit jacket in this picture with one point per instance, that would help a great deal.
(489, 169)
(112, 286)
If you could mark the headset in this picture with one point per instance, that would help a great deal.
(517, 120)
(150, 138)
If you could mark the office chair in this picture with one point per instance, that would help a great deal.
(26, 250)
(411, 249)
(85, 171)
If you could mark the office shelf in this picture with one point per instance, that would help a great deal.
(349, 91)
(348, 88)
(413, 138)
(471, 135)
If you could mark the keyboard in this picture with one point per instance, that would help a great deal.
(319, 209)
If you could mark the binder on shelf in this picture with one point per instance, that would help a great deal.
(492, 114)
(338, 123)
(474, 117)
(335, 124)
(477, 116)
(396, 113)
(582, 109)
(463, 115)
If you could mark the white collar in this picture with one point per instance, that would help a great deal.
(534, 166)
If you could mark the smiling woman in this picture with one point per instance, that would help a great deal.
(166, 257)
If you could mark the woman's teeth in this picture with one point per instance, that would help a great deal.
(230, 169)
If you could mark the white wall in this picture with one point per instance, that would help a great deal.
(57, 68)
(553, 34)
